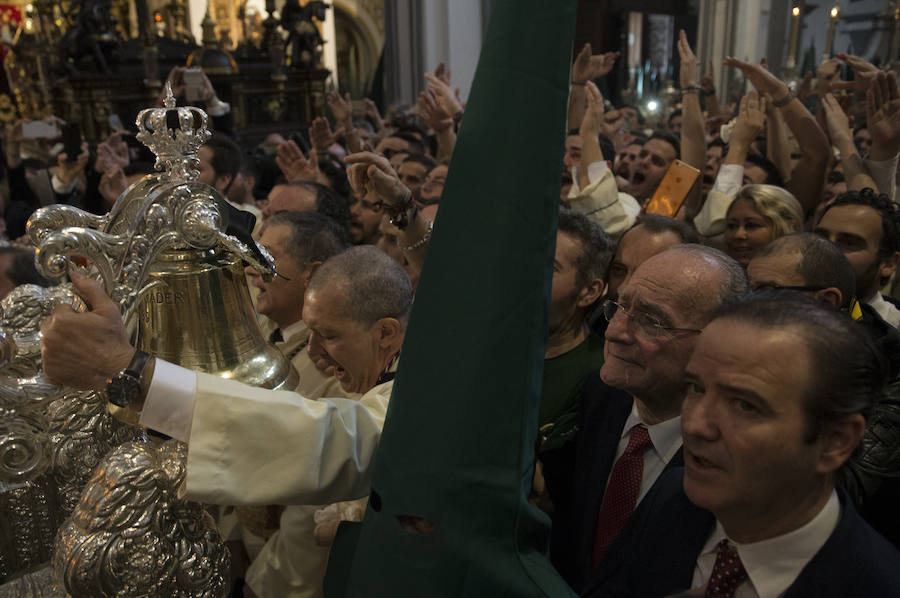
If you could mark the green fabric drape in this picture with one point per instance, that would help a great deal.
(458, 442)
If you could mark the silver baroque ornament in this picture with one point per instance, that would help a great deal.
(164, 255)
(131, 534)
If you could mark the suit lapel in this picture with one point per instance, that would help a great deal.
(605, 411)
(656, 553)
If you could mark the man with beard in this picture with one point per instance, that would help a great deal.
(865, 226)
(653, 161)
(715, 153)
(365, 218)
(413, 170)
(627, 162)
(433, 186)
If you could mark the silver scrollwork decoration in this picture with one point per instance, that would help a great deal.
(132, 536)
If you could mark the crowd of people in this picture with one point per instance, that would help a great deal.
(719, 408)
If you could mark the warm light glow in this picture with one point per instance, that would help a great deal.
(834, 12)
(158, 17)
(652, 105)
(796, 11)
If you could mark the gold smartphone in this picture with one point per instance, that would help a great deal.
(673, 189)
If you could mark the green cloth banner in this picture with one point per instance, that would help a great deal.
(458, 442)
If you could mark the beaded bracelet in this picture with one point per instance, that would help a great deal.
(420, 242)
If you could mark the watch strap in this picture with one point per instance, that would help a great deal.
(138, 361)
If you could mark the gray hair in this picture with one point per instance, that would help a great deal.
(733, 278)
(377, 286)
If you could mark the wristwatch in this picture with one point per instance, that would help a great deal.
(124, 388)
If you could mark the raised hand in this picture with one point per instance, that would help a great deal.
(690, 64)
(592, 122)
(588, 66)
(750, 120)
(836, 121)
(827, 73)
(432, 111)
(883, 115)
(372, 177)
(294, 165)
(340, 107)
(112, 184)
(112, 152)
(865, 73)
(100, 334)
(371, 110)
(443, 94)
(765, 82)
(321, 136)
(442, 72)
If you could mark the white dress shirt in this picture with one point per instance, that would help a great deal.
(772, 565)
(169, 406)
(666, 439)
(710, 221)
(255, 446)
(887, 310)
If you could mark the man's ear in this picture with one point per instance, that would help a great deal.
(889, 264)
(222, 182)
(591, 292)
(308, 273)
(390, 333)
(839, 439)
(832, 296)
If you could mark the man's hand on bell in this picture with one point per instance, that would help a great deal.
(84, 349)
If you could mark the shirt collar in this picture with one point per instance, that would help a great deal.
(888, 312)
(774, 564)
(294, 329)
(665, 436)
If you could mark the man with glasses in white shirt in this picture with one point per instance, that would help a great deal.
(779, 390)
(630, 424)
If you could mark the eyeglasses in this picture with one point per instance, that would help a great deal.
(645, 324)
(771, 286)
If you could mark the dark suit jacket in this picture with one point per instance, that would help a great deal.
(656, 553)
(603, 414)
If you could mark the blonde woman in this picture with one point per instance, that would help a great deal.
(759, 214)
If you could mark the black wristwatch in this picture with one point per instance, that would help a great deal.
(124, 388)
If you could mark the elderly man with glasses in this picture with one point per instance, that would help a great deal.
(630, 424)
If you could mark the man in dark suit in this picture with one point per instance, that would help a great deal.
(779, 388)
(629, 428)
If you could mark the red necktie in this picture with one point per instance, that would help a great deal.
(727, 574)
(621, 492)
